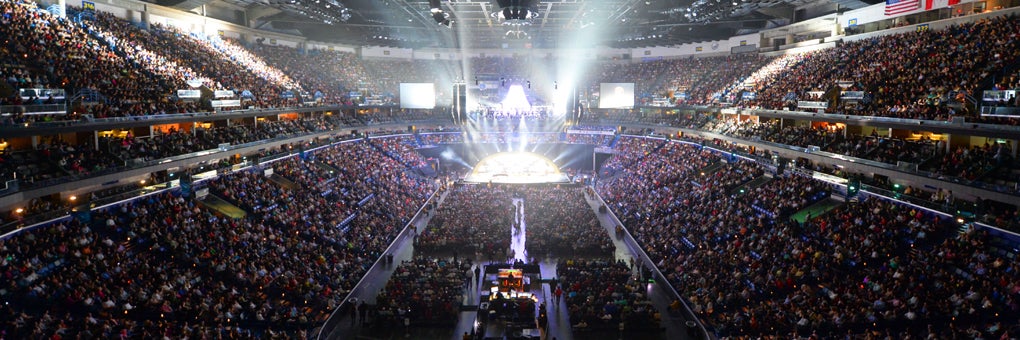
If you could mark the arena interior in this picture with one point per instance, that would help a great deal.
(509, 169)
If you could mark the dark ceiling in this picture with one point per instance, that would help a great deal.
(551, 23)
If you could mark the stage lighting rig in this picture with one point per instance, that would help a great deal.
(328, 11)
(440, 16)
(515, 12)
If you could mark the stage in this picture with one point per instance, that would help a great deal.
(516, 168)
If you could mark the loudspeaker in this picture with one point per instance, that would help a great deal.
(459, 111)
(573, 106)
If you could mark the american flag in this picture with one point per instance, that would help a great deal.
(894, 7)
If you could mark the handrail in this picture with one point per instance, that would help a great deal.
(33, 109)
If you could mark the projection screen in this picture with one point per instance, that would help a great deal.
(616, 96)
(417, 95)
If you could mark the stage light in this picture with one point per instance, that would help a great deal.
(516, 100)
(441, 18)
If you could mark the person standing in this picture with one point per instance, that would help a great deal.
(352, 308)
(363, 310)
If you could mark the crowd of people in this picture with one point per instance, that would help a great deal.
(473, 219)
(432, 139)
(138, 69)
(918, 83)
(658, 191)
(165, 265)
(875, 266)
(404, 149)
(176, 57)
(58, 53)
(55, 158)
(560, 222)
(627, 152)
(333, 73)
(589, 139)
(786, 195)
(891, 267)
(426, 291)
(605, 295)
(990, 163)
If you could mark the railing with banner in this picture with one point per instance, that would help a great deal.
(1000, 111)
(851, 95)
(591, 132)
(226, 103)
(42, 94)
(879, 119)
(223, 94)
(994, 96)
(189, 94)
(805, 104)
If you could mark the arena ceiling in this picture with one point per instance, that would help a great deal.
(551, 24)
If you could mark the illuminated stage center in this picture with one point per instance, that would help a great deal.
(516, 167)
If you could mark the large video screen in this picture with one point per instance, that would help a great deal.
(417, 95)
(616, 96)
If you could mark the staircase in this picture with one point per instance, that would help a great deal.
(417, 140)
(612, 143)
(88, 96)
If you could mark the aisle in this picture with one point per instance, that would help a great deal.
(518, 232)
(375, 280)
(674, 324)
